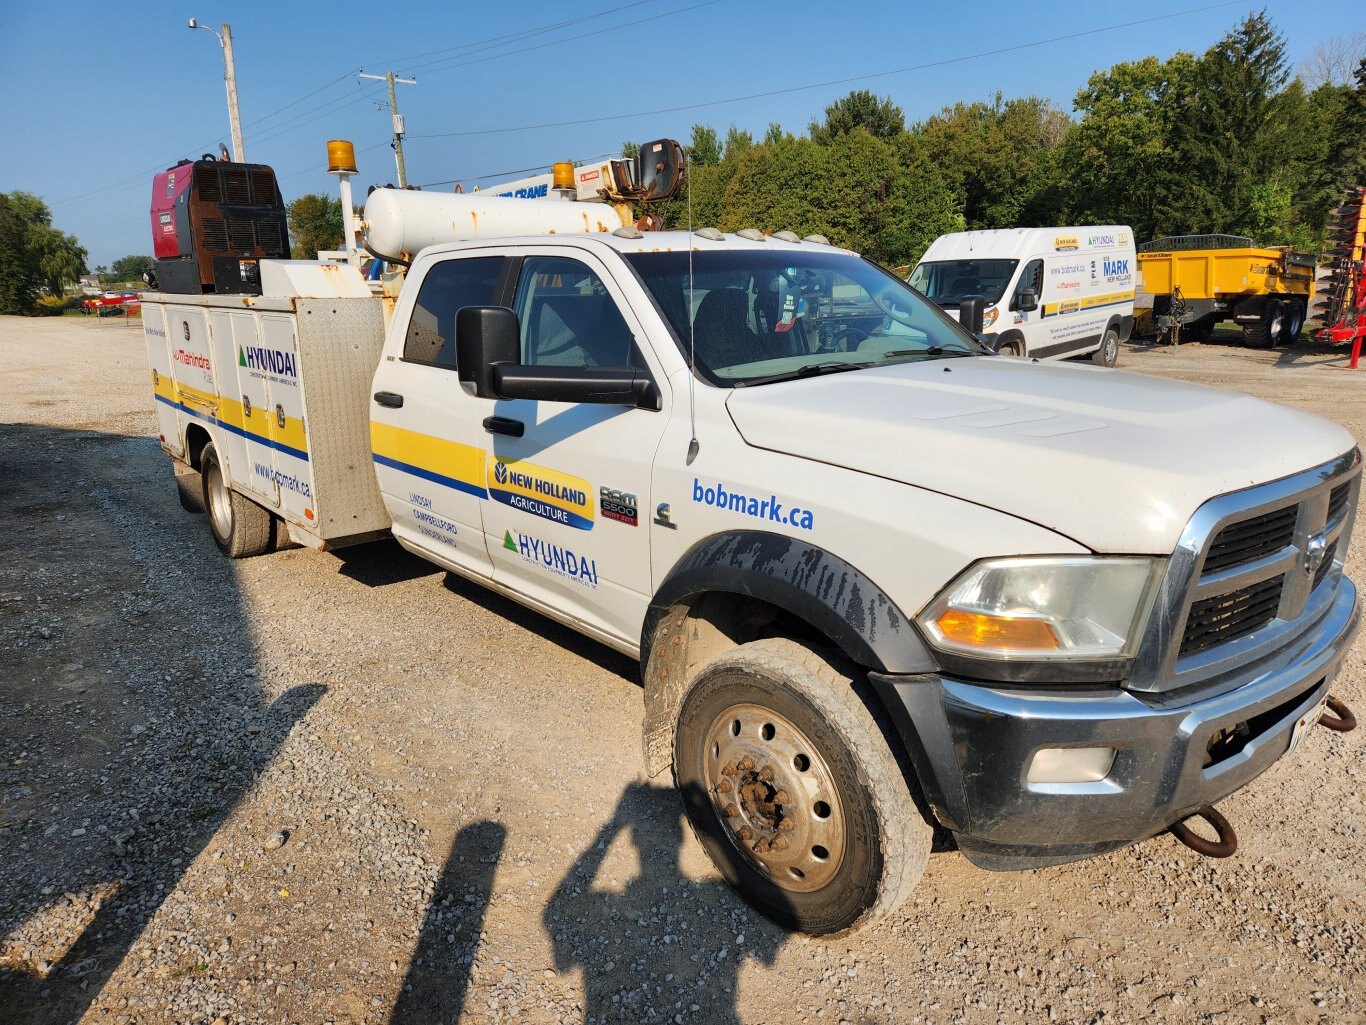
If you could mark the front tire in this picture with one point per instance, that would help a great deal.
(791, 787)
(239, 526)
(1108, 353)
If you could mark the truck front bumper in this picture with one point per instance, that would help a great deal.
(972, 745)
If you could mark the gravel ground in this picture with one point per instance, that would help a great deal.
(350, 788)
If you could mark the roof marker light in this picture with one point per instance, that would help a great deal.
(753, 234)
(786, 236)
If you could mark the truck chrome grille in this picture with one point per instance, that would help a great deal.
(1252, 572)
(1215, 620)
(1251, 539)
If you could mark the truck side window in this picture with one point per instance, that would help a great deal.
(568, 317)
(447, 288)
(1030, 277)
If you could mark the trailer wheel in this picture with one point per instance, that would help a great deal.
(240, 527)
(792, 789)
(1294, 320)
(1200, 330)
(1266, 331)
(1108, 353)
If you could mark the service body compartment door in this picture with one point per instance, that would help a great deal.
(194, 367)
(243, 404)
(285, 425)
(163, 380)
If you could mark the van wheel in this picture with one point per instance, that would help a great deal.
(240, 527)
(792, 789)
(1010, 349)
(1108, 353)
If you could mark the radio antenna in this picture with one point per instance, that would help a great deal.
(692, 331)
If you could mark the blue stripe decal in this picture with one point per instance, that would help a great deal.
(435, 478)
(232, 429)
(1117, 302)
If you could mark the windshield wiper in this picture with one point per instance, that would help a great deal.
(810, 370)
(933, 350)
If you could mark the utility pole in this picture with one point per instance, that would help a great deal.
(398, 120)
(229, 76)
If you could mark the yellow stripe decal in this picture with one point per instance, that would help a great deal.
(448, 463)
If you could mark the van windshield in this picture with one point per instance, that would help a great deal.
(758, 317)
(947, 282)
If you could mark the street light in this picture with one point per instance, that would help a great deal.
(230, 75)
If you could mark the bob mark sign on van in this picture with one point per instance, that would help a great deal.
(1048, 293)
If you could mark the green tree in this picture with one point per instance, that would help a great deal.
(737, 141)
(1231, 136)
(705, 148)
(878, 116)
(774, 133)
(1346, 152)
(34, 256)
(131, 268)
(315, 225)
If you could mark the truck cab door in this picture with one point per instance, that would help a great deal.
(568, 483)
(428, 448)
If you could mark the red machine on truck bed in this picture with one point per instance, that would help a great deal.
(213, 221)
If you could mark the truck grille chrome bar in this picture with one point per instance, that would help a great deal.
(1252, 572)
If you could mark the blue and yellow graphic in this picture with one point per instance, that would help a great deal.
(549, 494)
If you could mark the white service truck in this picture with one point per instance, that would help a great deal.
(877, 577)
(1047, 293)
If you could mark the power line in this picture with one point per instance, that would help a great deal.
(437, 66)
(835, 81)
(511, 36)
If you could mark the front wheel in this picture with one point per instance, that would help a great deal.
(792, 789)
(1108, 353)
(240, 527)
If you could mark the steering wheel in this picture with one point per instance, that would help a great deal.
(891, 304)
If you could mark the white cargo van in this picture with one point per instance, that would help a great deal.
(1049, 293)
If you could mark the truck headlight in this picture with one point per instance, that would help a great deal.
(1050, 607)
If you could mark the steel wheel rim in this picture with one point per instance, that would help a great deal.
(220, 504)
(1111, 349)
(775, 797)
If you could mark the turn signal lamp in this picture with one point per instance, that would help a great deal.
(982, 630)
(562, 174)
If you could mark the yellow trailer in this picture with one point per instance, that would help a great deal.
(1198, 280)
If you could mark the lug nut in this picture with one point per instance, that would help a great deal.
(731, 811)
(746, 834)
(787, 825)
(781, 797)
(766, 774)
(779, 843)
(746, 764)
(761, 847)
(729, 769)
(724, 787)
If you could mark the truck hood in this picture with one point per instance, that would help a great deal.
(1113, 460)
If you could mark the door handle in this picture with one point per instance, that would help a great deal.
(504, 425)
(389, 398)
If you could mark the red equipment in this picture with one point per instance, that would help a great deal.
(213, 221)
(1339, 306)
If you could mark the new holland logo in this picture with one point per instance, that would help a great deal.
(540, 491)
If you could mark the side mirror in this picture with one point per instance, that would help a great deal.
(612, 386)
(485, 337)
(1026, 299)
(970, 313)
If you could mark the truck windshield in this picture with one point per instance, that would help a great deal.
(758, 317)
(948, 281)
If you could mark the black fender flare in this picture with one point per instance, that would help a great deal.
(814, 585)
(821, 589)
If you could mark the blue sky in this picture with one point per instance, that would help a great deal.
(100, 96)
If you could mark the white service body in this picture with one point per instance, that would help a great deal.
(1083, 281)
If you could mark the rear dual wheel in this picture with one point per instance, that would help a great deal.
(792, 789)
(239, 526)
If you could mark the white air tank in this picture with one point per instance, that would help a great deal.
(399, 222)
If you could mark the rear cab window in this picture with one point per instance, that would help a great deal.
(449, 287)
